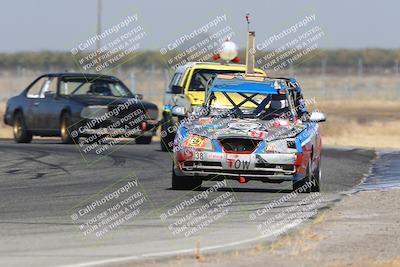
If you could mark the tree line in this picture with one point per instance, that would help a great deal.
(338, 58)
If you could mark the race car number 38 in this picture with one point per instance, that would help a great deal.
(198, 155)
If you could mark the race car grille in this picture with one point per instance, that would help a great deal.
(285, 167)
(239, 144)
(202, 164)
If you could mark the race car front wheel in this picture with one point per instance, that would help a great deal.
(185, 182)
(21, 133)
(317, 178)
(311, 182)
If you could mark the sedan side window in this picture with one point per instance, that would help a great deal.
(174, 81)
(50, 85)
(34, 90)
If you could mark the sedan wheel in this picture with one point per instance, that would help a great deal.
(21, 133)
(66, 131)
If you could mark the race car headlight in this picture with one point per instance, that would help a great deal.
(91, 112)
(198, 142)
(277, 146)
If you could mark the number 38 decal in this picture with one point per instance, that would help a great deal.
(198, 155)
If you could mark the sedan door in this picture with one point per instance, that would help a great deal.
(48, 110)
(33, 100)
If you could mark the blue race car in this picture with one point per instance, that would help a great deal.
(250, 128)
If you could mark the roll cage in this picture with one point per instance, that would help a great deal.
(274, 89)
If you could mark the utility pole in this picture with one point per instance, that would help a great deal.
(99, 7)
(323, 67)
(323, 74)
(360, 67)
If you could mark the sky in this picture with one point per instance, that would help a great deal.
(61, 25)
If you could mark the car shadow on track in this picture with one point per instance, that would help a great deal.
(241, 190)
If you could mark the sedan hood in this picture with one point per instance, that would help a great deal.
(243, 128)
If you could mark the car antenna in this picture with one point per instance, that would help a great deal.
(248, 21)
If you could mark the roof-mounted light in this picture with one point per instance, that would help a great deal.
(229, 51)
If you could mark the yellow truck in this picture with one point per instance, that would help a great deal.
(186, 92)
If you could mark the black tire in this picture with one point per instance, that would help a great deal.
(299, 184)
(167, 138)
(66, 131)
(21, 133)
(143, 140)
(317, 178)
(185, 182)
(167, 143)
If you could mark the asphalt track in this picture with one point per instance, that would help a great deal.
(44, 185)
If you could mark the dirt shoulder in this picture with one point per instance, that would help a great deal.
(361, 230)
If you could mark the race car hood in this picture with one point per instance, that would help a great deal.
(243, 128)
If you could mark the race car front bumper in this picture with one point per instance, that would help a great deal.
(264, 167)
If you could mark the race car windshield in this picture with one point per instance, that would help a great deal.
(96, 87)
(248, 105)
(201, 78)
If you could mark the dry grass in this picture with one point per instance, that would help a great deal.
(295, 245)
(367, 87)
(368, 123)
(5, 131)
(368, 263)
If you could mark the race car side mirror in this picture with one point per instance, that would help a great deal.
(317, 117)
(176, 89)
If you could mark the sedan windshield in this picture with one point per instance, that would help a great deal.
(96, 87)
